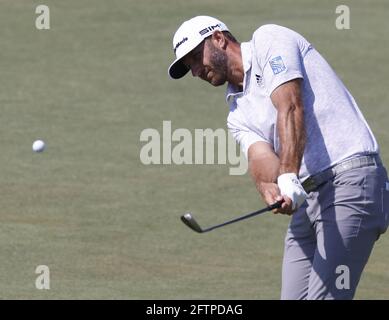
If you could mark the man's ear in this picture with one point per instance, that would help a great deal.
(219, 40)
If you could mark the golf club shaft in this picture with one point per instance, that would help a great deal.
(246, 216)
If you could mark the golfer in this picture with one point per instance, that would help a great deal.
(307, 144)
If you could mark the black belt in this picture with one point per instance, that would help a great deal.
(316, 180)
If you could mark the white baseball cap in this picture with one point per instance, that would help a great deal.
(188, 36)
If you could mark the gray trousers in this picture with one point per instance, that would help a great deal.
(330, 238)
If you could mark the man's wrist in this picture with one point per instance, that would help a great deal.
(261, 186)
(287, 168)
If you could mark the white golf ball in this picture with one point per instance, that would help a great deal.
(38, 146)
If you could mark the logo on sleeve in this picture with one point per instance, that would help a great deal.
(277, 65)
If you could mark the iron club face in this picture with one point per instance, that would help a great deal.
(188, 219)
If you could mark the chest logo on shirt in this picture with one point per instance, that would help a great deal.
(277, 65)
(259, 79)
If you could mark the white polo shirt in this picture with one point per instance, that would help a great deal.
(336, 129)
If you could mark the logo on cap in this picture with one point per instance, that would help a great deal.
(209, 29)
(180, 43)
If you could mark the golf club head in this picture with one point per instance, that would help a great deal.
(188, 219)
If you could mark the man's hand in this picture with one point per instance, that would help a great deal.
(270, 192)
(264, 168)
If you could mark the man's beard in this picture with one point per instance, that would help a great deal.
(219, 63)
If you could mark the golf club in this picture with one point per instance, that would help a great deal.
(190, 221)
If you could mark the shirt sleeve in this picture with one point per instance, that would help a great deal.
(278, 55)
(243, 136)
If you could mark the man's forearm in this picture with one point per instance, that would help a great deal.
(291, 130)
(288, 101)
(264, 169)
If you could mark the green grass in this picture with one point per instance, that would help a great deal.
(108, 226)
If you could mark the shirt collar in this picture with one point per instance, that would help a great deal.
(245, 48)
